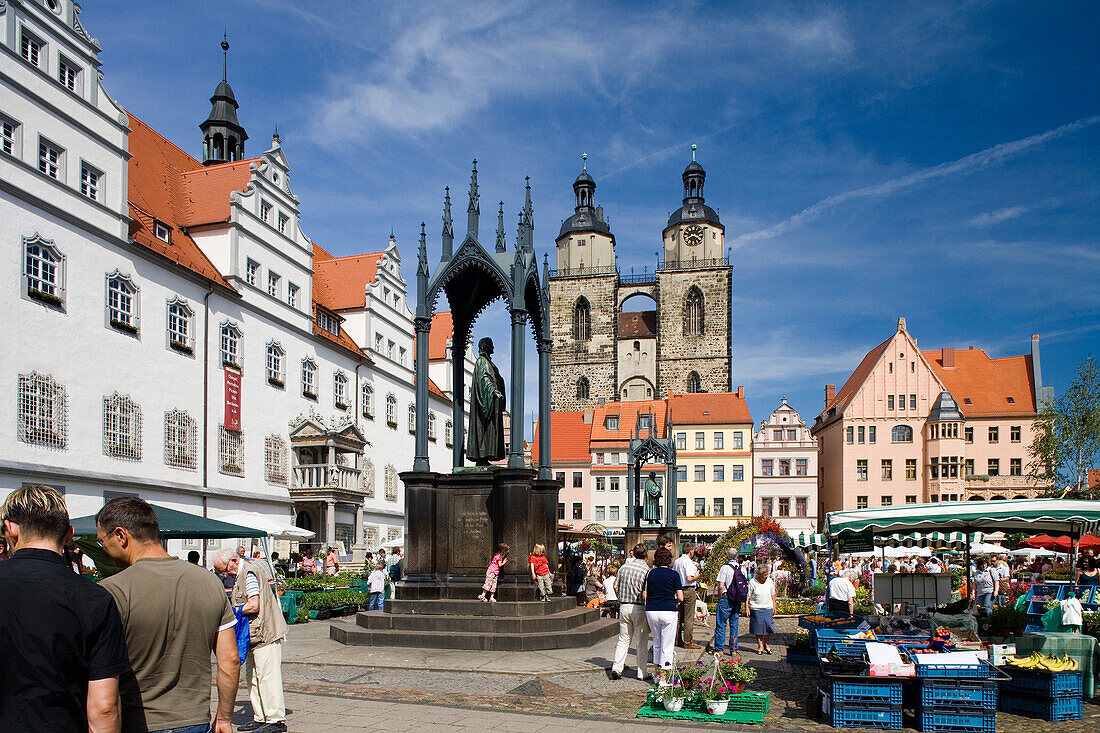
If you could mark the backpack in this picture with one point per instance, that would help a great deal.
(738, 590)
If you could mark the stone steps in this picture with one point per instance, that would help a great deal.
(473, 607)
(561, 621)
(587, 634)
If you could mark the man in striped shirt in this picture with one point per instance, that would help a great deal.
(629, 584)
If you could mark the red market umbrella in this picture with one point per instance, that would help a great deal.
(1062, 544)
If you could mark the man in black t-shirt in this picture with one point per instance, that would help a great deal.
(62, 647)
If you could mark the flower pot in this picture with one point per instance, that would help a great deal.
(1018, 632)
(673, 704)
(718, 707)
(738, 686)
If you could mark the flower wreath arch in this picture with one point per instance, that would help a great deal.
(762, 538)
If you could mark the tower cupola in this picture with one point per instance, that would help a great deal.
(223, 137)
(587, 217)
(694, 208)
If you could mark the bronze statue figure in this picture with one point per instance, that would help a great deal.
(485, 441)
(651, 503)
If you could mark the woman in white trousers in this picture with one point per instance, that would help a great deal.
(662, 593)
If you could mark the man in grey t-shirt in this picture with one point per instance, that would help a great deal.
(174, 615)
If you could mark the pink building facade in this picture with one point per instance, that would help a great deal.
(913, 427)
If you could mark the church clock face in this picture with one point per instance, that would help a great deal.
(693, 235)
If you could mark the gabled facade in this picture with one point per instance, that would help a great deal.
(172, 319)
(912, 426)
(784, 483)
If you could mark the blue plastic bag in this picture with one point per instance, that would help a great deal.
(244, 636)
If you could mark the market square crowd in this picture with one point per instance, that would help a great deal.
(132, 653)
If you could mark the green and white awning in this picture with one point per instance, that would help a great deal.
(952, 540)
(1026, 515)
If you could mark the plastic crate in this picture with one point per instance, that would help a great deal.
(1047, 708)
(797, 656)
(1037, 608)
(1034, 629)
(829, 622)
(1039, 682)
(746, 708)
(1084, 592)
(828, 640)
(964, 692)
(956, 720)
(844, 693)
(1045, 589)
(983, 670)
(866, 715)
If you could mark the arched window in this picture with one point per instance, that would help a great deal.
(391, 411)
(309, 379)
(412, 418)
(582, 320)
(448, 432)
(582, 388)
(431, 425)
(901, 434)
(122, 306)
(231, 345)
(694, 383)
(340, 390)
(368, 401)
(693, 312)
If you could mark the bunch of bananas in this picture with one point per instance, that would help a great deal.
(1039, 661)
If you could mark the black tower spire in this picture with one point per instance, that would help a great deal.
(223, 137)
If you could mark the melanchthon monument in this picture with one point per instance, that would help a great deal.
(457, 515)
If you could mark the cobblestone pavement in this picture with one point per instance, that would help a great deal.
(331, 687)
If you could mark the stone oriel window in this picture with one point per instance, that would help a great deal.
(693, 312)
(582, 320)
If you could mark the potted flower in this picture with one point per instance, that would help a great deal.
(672, 696)
(715, 694)
(737, 674)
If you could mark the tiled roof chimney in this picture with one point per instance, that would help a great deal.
(948, 358)
(830, 393)
(741, 392)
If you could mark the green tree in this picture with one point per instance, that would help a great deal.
(1067, 440)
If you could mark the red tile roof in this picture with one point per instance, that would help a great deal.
(341, 339)
(708, 408)
(154, 192)
(206, 190)
(569, 439)
(342, 281)
(443, 330)
(987, 383)
(628, 413)
(1094, 478)
(638, 325)
(859, 376)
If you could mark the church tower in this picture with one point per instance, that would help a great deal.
(222, 135)
(695, 340)
(583, 304)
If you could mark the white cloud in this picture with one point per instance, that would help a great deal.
(995, 217)
(964, 165)
(435, 69)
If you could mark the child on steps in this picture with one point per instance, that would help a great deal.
(499, 560)
(540, 572)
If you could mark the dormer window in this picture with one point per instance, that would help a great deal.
(163, 231)
(328, 323)
(612, 422)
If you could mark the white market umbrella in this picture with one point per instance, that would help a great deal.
(1032, 552)
(984, 548)
(273, 527)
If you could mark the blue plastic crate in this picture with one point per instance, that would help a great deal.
(1047, 708)
(956, 720)
(983, 670)
(859, 692)
(1045, 589)
(829, 639)
(1037, 608)
(1034, 629)
(917, 642)
(845, 621)
(868, 715)
(973, 693)
(798, 656)
(1084, 592)
(1039, 682)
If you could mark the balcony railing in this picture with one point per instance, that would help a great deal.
(645, 276)
(582, 271)
(326, 476)
(691, 264)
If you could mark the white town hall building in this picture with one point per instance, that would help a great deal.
(171, 332)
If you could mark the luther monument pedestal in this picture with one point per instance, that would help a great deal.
(457, 518)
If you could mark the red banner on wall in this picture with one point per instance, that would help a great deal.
(232, 399)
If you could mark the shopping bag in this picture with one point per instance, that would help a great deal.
(244, 636)
(1052, 619)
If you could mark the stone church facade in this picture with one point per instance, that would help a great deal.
(683, 344)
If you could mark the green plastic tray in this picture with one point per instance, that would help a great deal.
(748, 708)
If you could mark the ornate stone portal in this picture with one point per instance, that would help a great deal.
(455, 519)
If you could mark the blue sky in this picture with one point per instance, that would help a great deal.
(933, 160)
